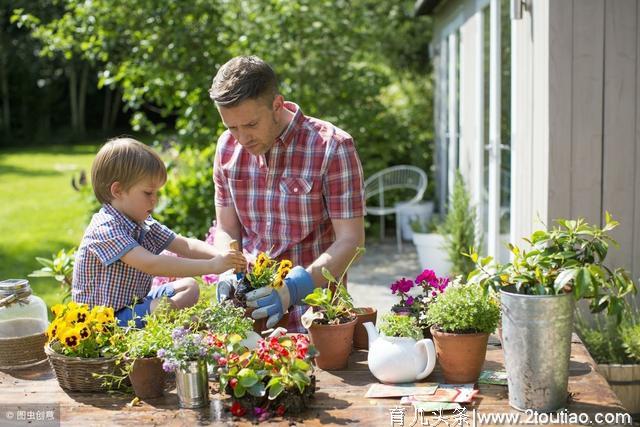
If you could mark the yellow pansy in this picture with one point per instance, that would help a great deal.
(57, 310)
(285, 263)
(71, 338)
(83, 330)
(102, 314)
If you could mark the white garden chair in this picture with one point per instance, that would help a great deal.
(387, 181)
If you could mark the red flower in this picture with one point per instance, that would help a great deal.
(233, 382)
(222, 361)
(280, 410)
(237, 409)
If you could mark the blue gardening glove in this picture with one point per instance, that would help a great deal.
(272, 303)
(226, 283)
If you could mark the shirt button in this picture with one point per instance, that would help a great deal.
(295, 190)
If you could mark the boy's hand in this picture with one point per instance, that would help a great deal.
(229, 260)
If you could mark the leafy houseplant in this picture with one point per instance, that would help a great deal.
(393, 325)
(274, 378)
(331, 319)
(539, 287)
(462, 318)
(459, 228)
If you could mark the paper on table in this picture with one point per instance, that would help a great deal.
(395, 390)
(448, 394)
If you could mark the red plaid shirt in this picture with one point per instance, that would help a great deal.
(286, 206)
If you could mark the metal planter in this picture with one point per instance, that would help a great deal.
(192, 385)
(536, 339)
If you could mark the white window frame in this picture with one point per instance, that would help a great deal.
(448, 112)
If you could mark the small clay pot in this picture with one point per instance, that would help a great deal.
(360, 336)
(334, 344)
(147, 377)
(461, 356)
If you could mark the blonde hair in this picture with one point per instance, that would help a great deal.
(126, 161)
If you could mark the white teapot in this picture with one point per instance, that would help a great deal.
(399, 359)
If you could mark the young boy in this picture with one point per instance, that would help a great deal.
(119, 253)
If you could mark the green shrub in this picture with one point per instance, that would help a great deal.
(393, 325)
(602, 340)
(459, 229)
(464, 308)
(186, 204)
(630, 335)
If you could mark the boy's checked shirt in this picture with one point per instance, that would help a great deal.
(99, 276)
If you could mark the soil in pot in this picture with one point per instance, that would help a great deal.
(461, 356)
(334, 343)
(360, 336)
(147, 378)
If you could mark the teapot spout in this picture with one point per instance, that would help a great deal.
(372, 333)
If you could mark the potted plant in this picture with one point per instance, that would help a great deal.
(539, 288)
(187, 355)
(331, 321)
(417, 305)
(616, 350)
(363, 315)
(459, 229)
(265, 272)
(274, 378)
(82, 345)
(399, 354)
(462, 318)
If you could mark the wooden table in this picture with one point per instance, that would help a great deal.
(339, 399)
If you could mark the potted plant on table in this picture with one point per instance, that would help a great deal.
(430, 285)
(82, 346)
(399, 354)
(265, 272)
(331, 320)
(539, 287)
(462, 318)
(274, 378)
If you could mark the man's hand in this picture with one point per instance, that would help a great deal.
(272, 303)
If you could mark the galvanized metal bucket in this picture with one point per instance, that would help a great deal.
(536, 339)
(193, 385)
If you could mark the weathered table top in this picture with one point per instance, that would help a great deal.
(339, 399)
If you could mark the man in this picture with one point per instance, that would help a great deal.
(284, 183)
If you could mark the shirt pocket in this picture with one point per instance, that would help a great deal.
(302, 206)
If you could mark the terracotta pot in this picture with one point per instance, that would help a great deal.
(461, 356)
(334, 344)
(147, 377)
(360, 336)
(260, 325)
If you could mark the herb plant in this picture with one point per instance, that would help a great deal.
(393, 325)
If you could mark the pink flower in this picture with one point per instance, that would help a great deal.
(410, 301)
(427, 276)
(403, 286)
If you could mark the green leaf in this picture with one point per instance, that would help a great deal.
(247, 377)
(563, 278)
(257, 390)
(239, 391)
(328, 276)
(275, 387)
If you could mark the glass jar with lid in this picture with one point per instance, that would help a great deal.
(23, 324)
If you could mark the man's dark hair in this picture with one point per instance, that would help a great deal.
(242, 78)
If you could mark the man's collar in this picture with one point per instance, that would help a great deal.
(298, 118)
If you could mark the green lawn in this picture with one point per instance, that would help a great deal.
(40, 212)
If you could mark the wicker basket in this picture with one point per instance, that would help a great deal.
(22, 352)
(76, 373)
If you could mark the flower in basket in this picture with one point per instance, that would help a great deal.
(266, 271)
(78, 331)
(274, 378)
(186, 346)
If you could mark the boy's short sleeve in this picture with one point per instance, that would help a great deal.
(158, 236)
(110, 243)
